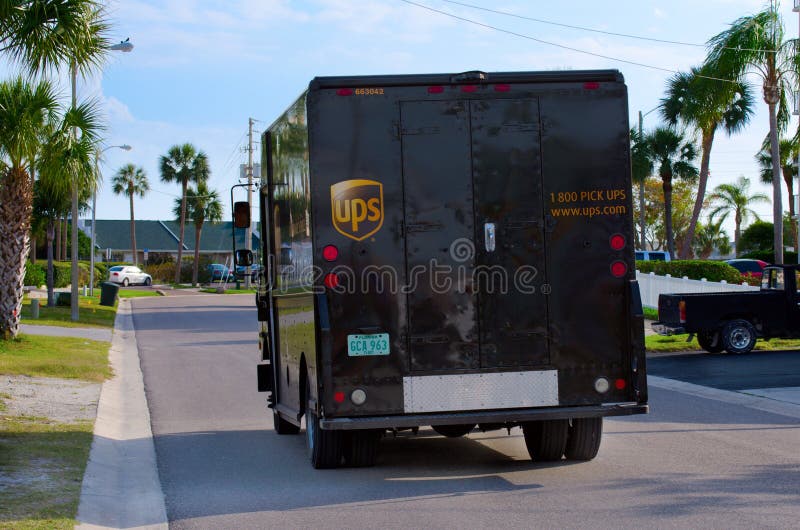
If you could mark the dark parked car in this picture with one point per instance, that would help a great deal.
(751, 267)
(218, 271)
(255, 269)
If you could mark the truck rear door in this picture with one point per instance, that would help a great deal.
(478, 212)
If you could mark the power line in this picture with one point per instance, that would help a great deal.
(593, 30)
(562, 46)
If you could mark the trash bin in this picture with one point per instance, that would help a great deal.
(64, 299)
(34, 308)
(108, 293)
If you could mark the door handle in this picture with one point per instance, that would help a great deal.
(489, 236)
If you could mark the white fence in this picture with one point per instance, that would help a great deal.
(651, 285)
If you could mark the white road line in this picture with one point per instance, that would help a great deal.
(743, 398)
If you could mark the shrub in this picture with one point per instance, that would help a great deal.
(769, 256)
(713, 271)
(34, 274)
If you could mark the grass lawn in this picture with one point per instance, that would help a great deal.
(64, 357)
(91, 314)
(650, 314)
(213, 290)
(43, 465)
(136, 293)
(677, 343)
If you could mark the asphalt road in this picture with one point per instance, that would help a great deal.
(691, 463)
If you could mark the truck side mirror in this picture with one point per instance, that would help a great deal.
(244, 257)
(241, 214)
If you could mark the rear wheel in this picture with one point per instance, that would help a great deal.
(282, 426)
(584, 438)
(453, 431)
(324, 447)
(361, 447)
(738, 336)
(546, 440)
(710, 341)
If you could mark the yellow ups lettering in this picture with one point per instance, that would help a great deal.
(374, 206)
(342, 211)
(359, 213)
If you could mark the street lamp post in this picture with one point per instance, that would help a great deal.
(641, 186)
(124, 46)
(97, 155)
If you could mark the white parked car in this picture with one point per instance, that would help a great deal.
(127, 275)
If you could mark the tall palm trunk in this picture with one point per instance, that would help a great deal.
(58, 238)
(51, 232)
(777, 206)
(666, 179)
(133, 226)
(708, 140)
(16, 205)
(184, 185)
(737, 231)
(64, 238)
(197, 229)
(33, 250)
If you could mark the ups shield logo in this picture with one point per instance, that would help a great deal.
(357, 207)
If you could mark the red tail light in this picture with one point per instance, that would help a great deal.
(617, 242)
(502, 88)
(619, 269)
(682, 311)
(344, 92)
(338, 397)
(331, 281)
(619, 384)
(469, 88)
(591, 85)
(435, 89)
(330, 253)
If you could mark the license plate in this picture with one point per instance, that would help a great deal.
(363, 345)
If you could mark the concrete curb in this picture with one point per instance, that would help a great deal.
(741, 398)
(121, 488)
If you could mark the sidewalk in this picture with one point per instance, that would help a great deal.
(58, 331)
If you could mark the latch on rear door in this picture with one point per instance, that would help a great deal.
(489, 236)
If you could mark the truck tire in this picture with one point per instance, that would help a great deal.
(710, 341)
(584, 438)
(282, 426)
(546, 440)
(361, 447)
(738, 336)
(453, 431)
(324, 447)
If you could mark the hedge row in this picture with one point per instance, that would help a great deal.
(713, 271)
(36, 274)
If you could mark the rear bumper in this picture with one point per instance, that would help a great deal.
(490, 416)
(665, 328)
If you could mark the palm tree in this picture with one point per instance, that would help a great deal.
(756, 44)
(184, 164)
(641, 169)
(49, 204)
(711, 236)
(788, 151)
(29, 119)
(735, 198)
(201, 205)
(44, 35)
(674, 156)
(131, 180)
(705, 104)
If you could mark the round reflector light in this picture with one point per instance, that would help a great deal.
(617, 242)
(358, 397)
(338, 397)
(330, 253)
(331, 281)
(619, 269)
(602, 385)
(619, 384)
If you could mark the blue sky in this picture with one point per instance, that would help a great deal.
(200, 68)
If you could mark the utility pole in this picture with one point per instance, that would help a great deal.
(249, 232)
